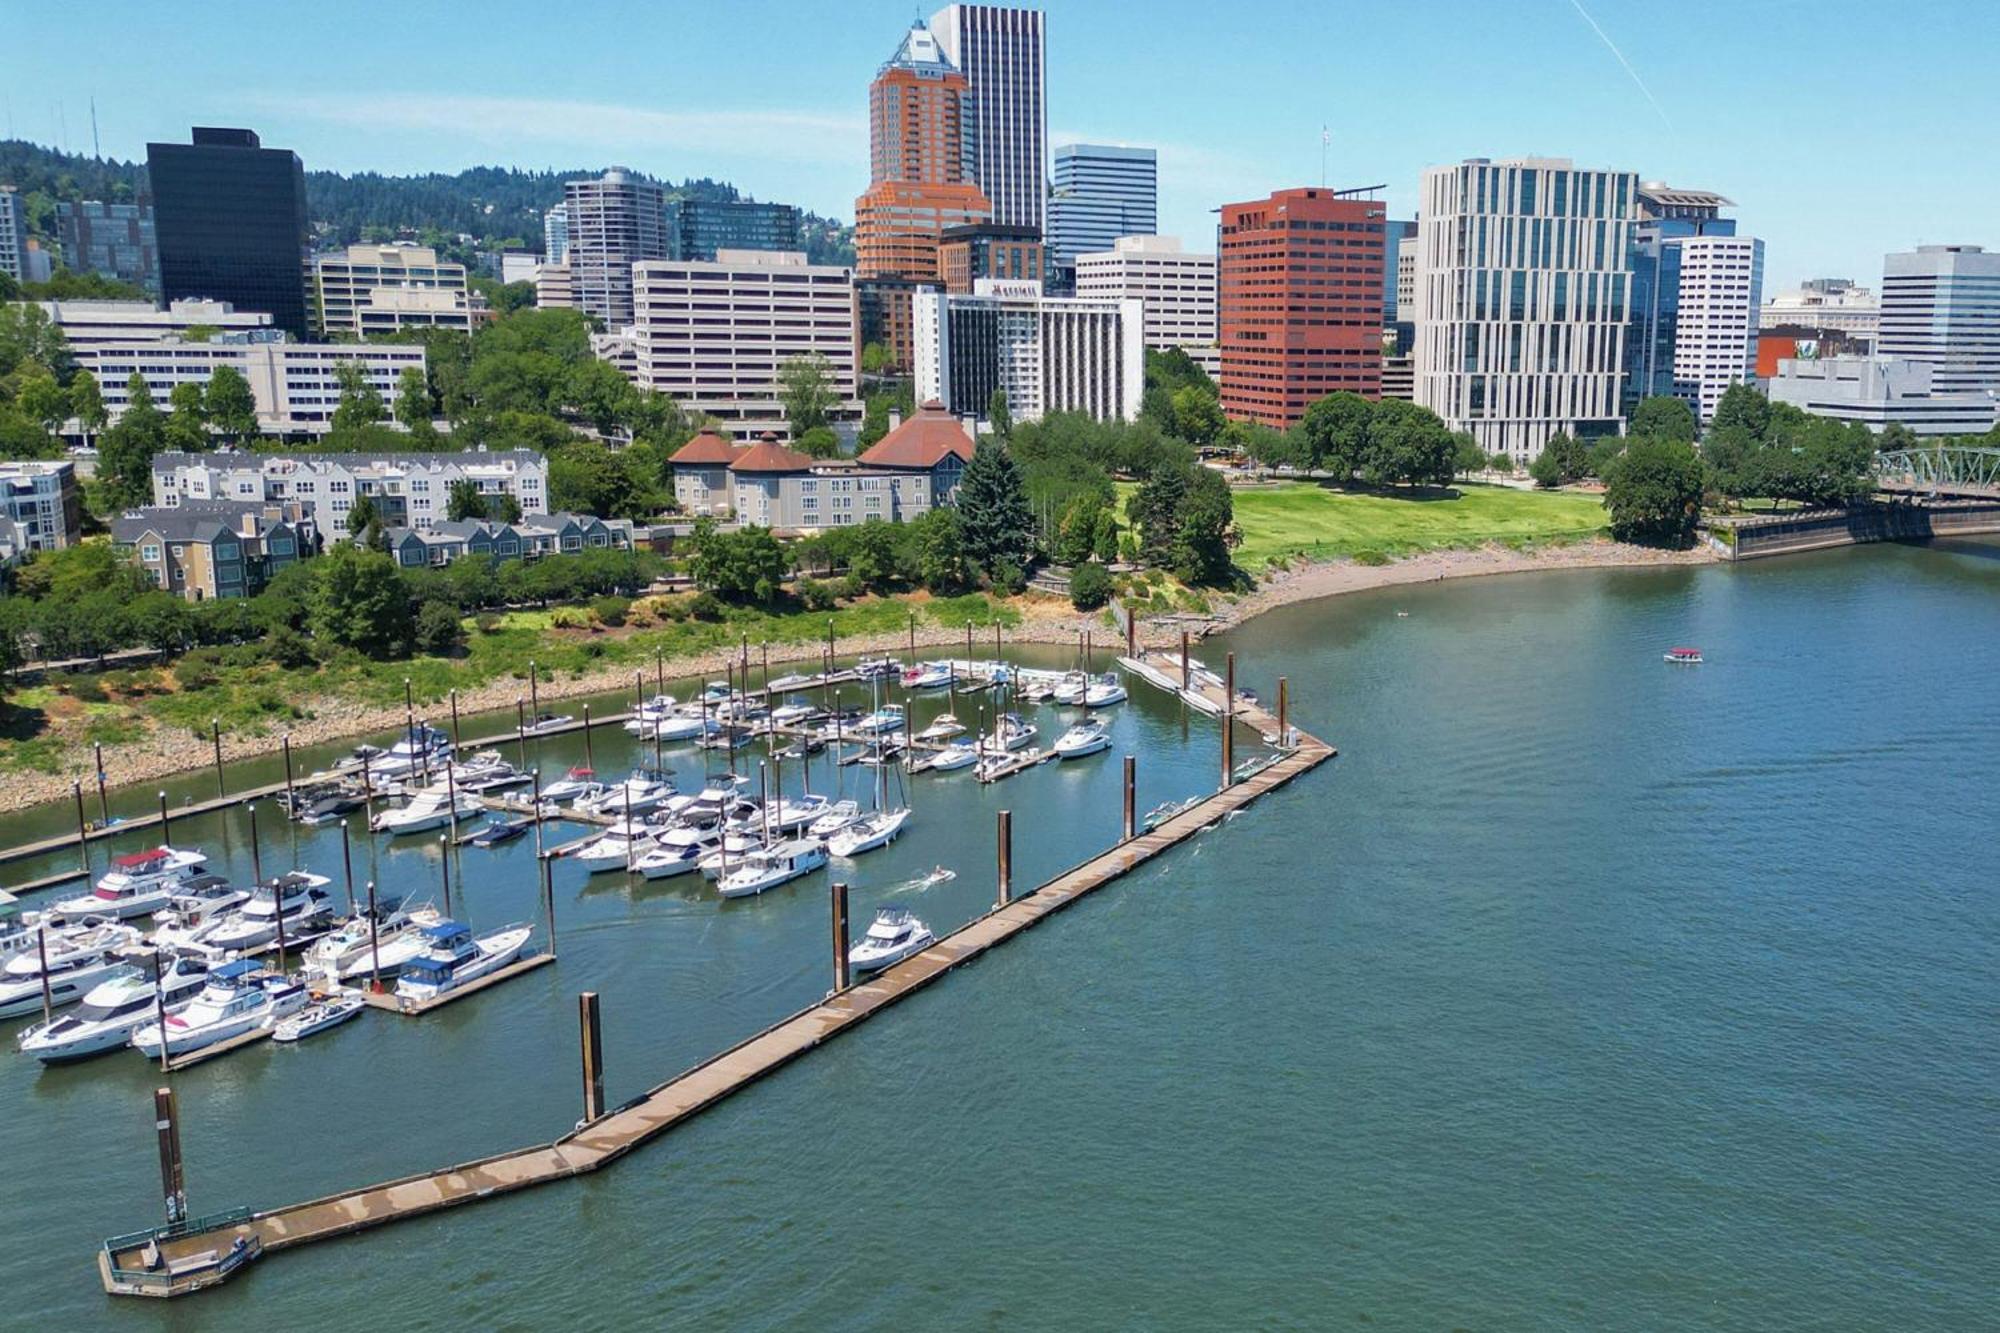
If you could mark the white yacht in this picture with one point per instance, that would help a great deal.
(134, 994)
(837, 817)
(1070, 689)
(773, 866)
(361, 949)
(943, 728)
(680, 727)
(1010, 733)
(793, 682)
(1104, 691)
(644, 791)
(868, 832)
(958, 754)
(727, 853)
(791, 713)
(77, 960)
(666, 859)
(139, 884)
(577, 782)
(892, 936)
(239, 997)
(297, 897)
(487, 771)
(431, 807)
(209, 898)
(421, 749)
(885, 719)
(1082, 739)
(616, 847)
(452, 957)
(791, 814)
(927, 676)
(318, 1016)
(648, 714)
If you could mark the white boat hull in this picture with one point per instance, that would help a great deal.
(25, 998)
(495, 952)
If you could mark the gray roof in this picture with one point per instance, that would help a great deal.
(188, 523)
(415, 458)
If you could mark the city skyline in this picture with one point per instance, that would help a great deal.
(1673, 97)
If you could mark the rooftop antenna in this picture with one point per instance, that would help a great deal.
(1325, 139)
(95, 150)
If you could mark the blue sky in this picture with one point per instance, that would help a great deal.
(1842, 129)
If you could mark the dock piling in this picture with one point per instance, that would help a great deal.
(1006, 859)
(521, 728)
(913, 638)
(173, 1179)
(1284, 731)
(549, 899)
(103, 806)
(160, 1006)
(42, 957)
(1131, 631)
(659, 671)
(215, 733)
(1228, 718)
(1131, 791)
(347, 866)
(166, 835)
(455, 739)
(1187, 674)
(839, 936)
(534, 689)
(374, 943)
(588, 761)
(444, 864)
(593, 1056)
(256, 858)
(291, 800)
(82, 832)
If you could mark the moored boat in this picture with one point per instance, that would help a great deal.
(146, 982)
(318, 1016)
(138, 884)
(453, 957)
(1683, 656)
(1084, 738)
(865, 834)
(1104, 691)
(239, 997)
(892, 936)
(772, 866)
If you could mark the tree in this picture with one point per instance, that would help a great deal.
(187, 423)
(1207, 530)
(414, 408)
(819, 442)
(1501, 461)
(1089, 586)
(1155, 510)
(746, 564)
(43, 400)
(361, 516)
(994, 518)
(1466, 455)
(1078, 532)
(1333, 434)
(86, 404)
(29, 336)
(805, 387)
(1563, 459)
(601, 395)
(232, 408)
(999, 415)
(505, 507)
(359, 601)
(941, 564)
(1198, 415)
(1662, 417)
(360, 404)
(874, 359)
(587, 478)
(874, 418)
(438, 630)
(1653, 493)
(464, 501)
(1741, 407)
(1407, 443)
(125, 454)
(871, 554)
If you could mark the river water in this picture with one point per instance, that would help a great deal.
(1580, 991)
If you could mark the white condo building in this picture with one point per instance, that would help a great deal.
(409, 490)
(381, 288)
(1523, 283)
(715, 334)
(13, 235)
(1175, 289)
(296, 385)
(1941, 308)
(615, 221)
(1715, 326)
(1047, 353)
(87, 324)
(1001, 51)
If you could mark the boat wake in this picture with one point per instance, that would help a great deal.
(940, 875)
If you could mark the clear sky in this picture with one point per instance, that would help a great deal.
(1842, 128)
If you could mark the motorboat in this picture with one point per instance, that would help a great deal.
(139, 884)
(928, 676)
(453, 957)
(326, 804)
(942, 728)
(1010, 732)
(76, 960)
(1070, 689)
(837, 817)
(715, 692)
(664, 859)
(727, 852)
(794, 681)
(431, 807)
(647, 714)
(773, 866)
(1104, 691)
(1082, 739)
(892, 936)
(998, 764)
(543, 723)
(790, 814)
(239, 997)
(791, 713)
(865, 834)
(644, 791)
(874, 754)
(679, 727)
(577, 782)
(136, 992)
(877, 668)
(615, 848)
(724, 738)
(487, 771)
(419, 750)
(318, 1016)
(297, 898)
(365, 946)
(501, 831)
(887, 718)
(1683, 656)
(209, 898)
(717, 795)
(956, 755)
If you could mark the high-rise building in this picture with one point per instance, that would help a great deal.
(988, 250)
(615, 221)
(1300, 308)
(1001, 53)
(230, 217)
(1523, 297)
(917, 130)
(1825, 305)
(1175, 289)
(13, 235)
(1715, 334)
(1098, 193)
(555, 234)
(1047, 354)
(1665, 218)
(116, 240)
(1398, 278)
(698, 228)
(349, 284)
(716, 335)
(1941, 308)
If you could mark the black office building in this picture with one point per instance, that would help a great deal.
(697, 228)
(230, 219)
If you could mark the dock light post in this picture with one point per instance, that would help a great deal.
(1006, 859)
(593, 1056)
(173, 1181)
(215, 732)
(82, 838)
(1284, 731)
(166, 835)
(1228, 720)
(840, 945)
(1131, 793)
(103, 809)
(347, 866)
(374, 944)
(444, 865)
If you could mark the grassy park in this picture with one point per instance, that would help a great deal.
(1291, 518)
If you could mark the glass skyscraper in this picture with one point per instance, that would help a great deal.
(1001, 53)
(1099, 193)
(1666, 218)
(697, 228)
(229, 216)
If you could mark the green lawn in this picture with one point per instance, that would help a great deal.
(1300, 517)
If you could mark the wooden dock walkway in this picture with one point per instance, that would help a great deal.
(643, 1119)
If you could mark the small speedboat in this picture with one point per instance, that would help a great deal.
(1104, 691)
(577, 782)
(1070, 689)
(453, 957)
(501, 831)
(328, 804)
(432, 807)
(943, 728)
(1683, 656)
(837, 817)
(892, 936)
(792, 682)
(1010, 733)
(666, 859)
(1082, 739)
(953, 756)
(868, 832)
(615, 848)
(677, 727)
(139, 884)
(773, 866)
(885, 719)
(877, 668)
(928, 676)
(318, 1016)
(547, 722)
(134, 994)
(239, 997)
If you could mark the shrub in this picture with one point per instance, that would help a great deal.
(673, 608)
(566, 618)
(1089, 586)
(199, 669)
(487, 623)
(1371, 556)
(847, 587)
(816, 594)
(610, 611)
(1008, 577)
(86, 689)
(438, 630)
(706, 606)
(593, 649)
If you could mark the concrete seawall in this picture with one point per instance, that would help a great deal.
(1812, 530)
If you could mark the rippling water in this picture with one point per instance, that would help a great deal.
(1581, 991)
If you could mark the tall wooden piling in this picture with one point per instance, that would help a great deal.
(1187, 672)
(347, 866)
(374, 943)
(215, 733)
(1131, 822)
(1006, 859)
(593, 1056)
(456, 740)
(256, 859)
(1284, 728)
(48, 997)
(82, 829)
(166, 834)
(291, 797)
(588, 761)
(173, 1178)
(160, 1007)
(534, 689)
(521, 728)
(103, 805)
(840, 945)
(1228, 718)
(444, 863)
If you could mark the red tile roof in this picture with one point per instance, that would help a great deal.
(767, 455)
(922, 441)
(706, 448)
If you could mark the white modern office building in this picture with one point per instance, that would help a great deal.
(1828, 305)
(346, 282)
(716, 334)
(555, 234)
(1941, 307)
(13, 235)
(87, 324)
(1175, 290)
(296, 385)
(1880, 392)
(1098, 193)
(1715, 325)
(1046, 353)
(1522, 287)
(1001, 52)
(615, 221)
(406, 489)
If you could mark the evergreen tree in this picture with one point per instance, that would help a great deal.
(232, 408)
(1155, 510)
(995, 523)
(464, 501)
(86, 404)
(125, 454)
(187, 423)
